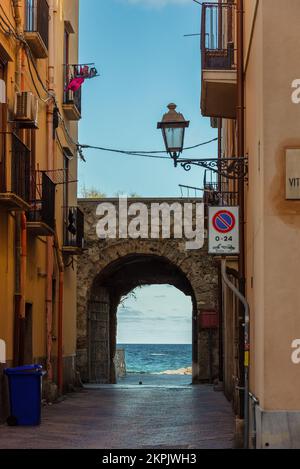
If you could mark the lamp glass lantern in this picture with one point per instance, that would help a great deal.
(173, 127)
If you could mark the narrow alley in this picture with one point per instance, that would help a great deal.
(193, 417)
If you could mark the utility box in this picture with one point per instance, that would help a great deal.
(2, 352)
(209, 319)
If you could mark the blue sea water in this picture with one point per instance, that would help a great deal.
(152, 359)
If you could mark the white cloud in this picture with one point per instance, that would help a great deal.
(159, 3)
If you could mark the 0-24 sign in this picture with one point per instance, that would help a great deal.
(223, 231)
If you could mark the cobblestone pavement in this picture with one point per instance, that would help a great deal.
(192, 417)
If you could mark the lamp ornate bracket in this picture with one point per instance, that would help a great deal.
(229, 168)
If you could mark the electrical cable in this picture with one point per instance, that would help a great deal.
(149, 154)
(145, 155)
(187, 148)
(4, 12)
(80, 147)
(32, 79)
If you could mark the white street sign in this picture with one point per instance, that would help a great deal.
(223, 231)
(292, 174)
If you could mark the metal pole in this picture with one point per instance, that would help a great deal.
(244, 302)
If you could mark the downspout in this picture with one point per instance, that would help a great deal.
(60, 314)
(18, 21)
(20, 226)
(50, 147)
(22, 303)
(244, 302)
(240, 154)
(255, 404)
(220, 299)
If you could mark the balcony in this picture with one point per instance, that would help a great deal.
(72, 100)
(219, 75)
(14, 173)
(41, 216)
(219, 193)
(37, 27)
(73, 231)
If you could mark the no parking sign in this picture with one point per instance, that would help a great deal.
(224, 231)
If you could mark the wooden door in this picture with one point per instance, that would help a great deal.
(99, 340)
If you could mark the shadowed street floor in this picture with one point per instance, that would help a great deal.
(191, 417)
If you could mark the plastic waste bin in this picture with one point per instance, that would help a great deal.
(25, 394)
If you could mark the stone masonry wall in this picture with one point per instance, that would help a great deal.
(194, 268)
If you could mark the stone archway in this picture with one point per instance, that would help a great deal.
(114, 282)
(110, 269)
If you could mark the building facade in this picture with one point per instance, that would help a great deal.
(41, 228)
(250, 90)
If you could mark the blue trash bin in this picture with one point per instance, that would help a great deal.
(25, 394)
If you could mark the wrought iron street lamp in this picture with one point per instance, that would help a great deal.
(173, 127)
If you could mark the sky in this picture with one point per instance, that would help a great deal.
(145, 62)
(158, 314)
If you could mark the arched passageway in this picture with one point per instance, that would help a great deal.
(115, 281)
(110, 269)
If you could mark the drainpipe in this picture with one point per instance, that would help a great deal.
(20, 224)
(18, 21)
(255, 404)
(244, 303)
(60, 314)
(240, 154)
(50, 152)
(23, 262)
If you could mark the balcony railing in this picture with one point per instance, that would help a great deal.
(71, 98)
(219, 193)
(42, 202)
(74, 228)
(217, 36)
(37, 19)
(14, 171)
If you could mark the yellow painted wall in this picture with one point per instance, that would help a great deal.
(65, 10)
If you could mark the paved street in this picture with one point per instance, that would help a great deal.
(136, 417)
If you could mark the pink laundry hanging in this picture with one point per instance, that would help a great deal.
(75, 84)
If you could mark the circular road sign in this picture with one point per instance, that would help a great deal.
(224, 221)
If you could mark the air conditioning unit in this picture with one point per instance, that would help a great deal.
(26, 109)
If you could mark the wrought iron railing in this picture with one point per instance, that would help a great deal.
(217, 44)
(74, 98)
(74, 228)
(219, 193)
(37, 18)
(71, 97)
(42, 199)
(14, 177)
(190, 191)
(20, 169)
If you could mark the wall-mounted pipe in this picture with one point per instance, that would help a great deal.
(255, 403)
(244, 302)
(61, 267)
(18, 21)
(20, 220)
(22, 301)
(50, 164)
(241, 183)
